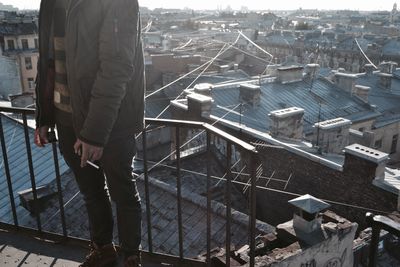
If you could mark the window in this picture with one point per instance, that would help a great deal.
(28, 63)
(362, 129)
(393, 148)
(25, 44)
(31, 83)
(378, 143)
(36, 43)
(11, 45)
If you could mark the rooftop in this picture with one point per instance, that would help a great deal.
(321, 101)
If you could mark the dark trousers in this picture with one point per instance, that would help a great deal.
(116, 172)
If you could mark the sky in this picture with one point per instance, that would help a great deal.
(252, 4)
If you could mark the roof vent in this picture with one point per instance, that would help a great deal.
(308, 220)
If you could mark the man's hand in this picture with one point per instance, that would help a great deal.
(41, 136)
(87, 152)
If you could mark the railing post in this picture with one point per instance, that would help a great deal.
(59, 188)
(179, 189)
(7, 171)
(208, 199)
(228, 203)
(147, 191)
(32, 173)
(253, 209)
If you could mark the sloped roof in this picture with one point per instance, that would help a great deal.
(43, 165)
(274, 96)
(7, 29)
(391, 48)
(163, 207)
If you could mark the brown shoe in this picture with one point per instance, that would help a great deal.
(133, 261)
(105, 256)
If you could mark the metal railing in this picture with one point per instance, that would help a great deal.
(379, 223)
(210, 131)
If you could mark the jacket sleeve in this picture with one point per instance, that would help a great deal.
(117, 42)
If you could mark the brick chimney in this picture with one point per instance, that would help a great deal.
(290, 74)
(199, 105)
(345, 81)
(385, 80)
(332, 136)
(287, 123)
(371, 155)
(250, 94)
(362, 92)
(203, 89)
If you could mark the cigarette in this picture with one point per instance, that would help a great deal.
(92, 164)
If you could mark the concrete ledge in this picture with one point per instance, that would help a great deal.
(367, 153)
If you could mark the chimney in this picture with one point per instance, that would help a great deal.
(345, 81)
(332, 136)
(203, 89)
(385, 80)
(272, 70)
(369, 69)
(312, 71)
(362, 92)
(388, 67)
(307, 219)
(290, 74)
(287, 123)
(223, 68)
(250, 94)
(199, 105)
(371, 155)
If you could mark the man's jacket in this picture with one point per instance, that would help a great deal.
(105, 69)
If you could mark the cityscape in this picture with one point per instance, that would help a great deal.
(272, 139)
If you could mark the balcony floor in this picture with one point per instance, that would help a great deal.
(19, 250)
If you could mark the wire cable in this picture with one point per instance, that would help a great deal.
(286, 192)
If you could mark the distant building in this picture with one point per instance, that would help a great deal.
(10, 77)
(21, 44)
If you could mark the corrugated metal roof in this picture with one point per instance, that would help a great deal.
(43, 164)
(385, 99)
(334, 103)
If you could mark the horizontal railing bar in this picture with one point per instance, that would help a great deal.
(201, 125)
(230, 138)
(166, 122)
(27, 111)
(174, 123)
(75, 241)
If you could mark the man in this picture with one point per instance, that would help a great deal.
(91, 86)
